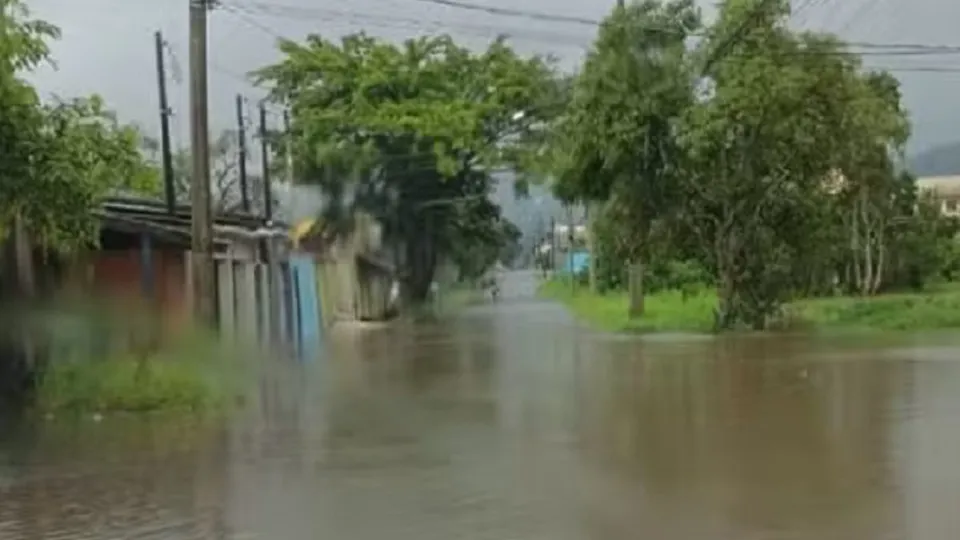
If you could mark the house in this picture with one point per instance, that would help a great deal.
(144, 259)
(354, 270)
(946, 189)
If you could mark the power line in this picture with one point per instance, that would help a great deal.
(254, 9)
(799, 10)
(861, 11)
(535, 15)
(249, 10)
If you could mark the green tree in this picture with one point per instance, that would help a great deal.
(84, 155)
(762, 154)
(873, 191)
(59, 159)
(617, 141)
(410, 133)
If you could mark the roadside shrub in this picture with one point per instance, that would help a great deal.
(103, 360)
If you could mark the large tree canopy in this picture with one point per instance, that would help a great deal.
(410, 133)
(59, 160)
(769, 157)
(617, 139)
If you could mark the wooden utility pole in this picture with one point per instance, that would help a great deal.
(265, 156)
(165, 154)
(242, 157)
(201, 259)
(593, 213)
(553, 245)
(273, 268)
(570, 241)
(288, 146)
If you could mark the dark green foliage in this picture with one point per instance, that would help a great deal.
(410, 134)
(58, 160)
(781, 178)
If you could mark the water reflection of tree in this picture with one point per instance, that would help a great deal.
(749, 430)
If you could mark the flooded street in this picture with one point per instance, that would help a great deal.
(512, 422)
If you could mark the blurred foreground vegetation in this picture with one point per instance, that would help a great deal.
(102, 360)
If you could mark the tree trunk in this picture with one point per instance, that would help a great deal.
(635, 287)
(726, 308)
(856, 277)
(26, 279)
(593, 213)
(26, 288)
(867, 246)
(421, 266)
(881, 263)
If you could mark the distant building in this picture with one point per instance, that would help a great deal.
(946, 189)
(356, 274)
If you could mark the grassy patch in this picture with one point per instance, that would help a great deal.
(126, 385)
(192, 374)
(936, 309)
(665, 311)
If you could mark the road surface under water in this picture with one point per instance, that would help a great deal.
(511, 422)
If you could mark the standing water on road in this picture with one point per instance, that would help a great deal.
(513, 422)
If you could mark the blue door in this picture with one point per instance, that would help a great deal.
(306, 301)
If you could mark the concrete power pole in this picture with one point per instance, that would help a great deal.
(166, 157)
(242, 156)
(265, 156)
(201, 261)
(593, 213)
(571, 231)
(553, 246)
(288, 146)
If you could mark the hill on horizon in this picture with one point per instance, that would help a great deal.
(943, 160)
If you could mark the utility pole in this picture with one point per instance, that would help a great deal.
(593, 213)
(553, 245)
(242, 163)
(265, 153)
(288, 146)
(273, 269)
(202, 271)
(570, 240)
(165, 155)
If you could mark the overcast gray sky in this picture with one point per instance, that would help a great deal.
(107, 45)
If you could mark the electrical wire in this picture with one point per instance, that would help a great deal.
(798, 13)
(249, 15)
(261, 9)
(533, 15)
(861, 11)
(253, 9)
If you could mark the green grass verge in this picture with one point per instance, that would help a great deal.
(668, 311)
(193, 375)
(936, 309)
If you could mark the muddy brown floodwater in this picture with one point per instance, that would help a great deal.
(511, 422)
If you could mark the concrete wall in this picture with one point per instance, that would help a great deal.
(255, 306)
